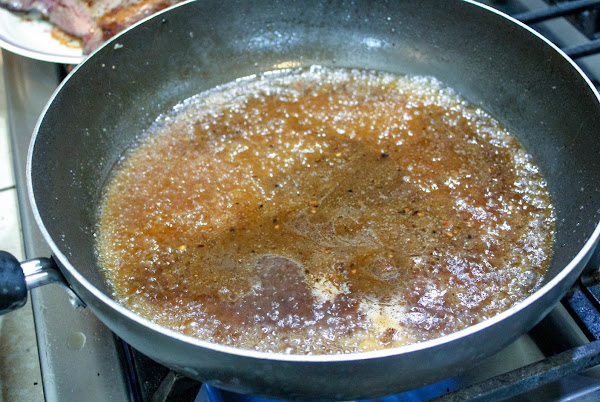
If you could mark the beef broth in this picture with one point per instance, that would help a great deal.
(323, 211)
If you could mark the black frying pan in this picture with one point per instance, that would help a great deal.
(512, 72)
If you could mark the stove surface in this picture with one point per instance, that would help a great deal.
(78, 355)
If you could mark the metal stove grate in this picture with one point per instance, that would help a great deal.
(583, 303)
(582, 14)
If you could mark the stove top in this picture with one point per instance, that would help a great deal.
(82, 360)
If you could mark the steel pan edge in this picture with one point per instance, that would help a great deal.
(336, 377)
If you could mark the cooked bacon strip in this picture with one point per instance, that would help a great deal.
(121, 17)
(94, 21)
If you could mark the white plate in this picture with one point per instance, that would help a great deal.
(32, 37)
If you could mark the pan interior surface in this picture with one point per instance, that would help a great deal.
(123, 95)
(493, 62)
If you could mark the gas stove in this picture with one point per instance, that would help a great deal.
(82, 360)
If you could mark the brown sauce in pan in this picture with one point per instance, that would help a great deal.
(325, 211)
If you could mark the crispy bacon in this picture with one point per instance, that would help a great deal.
(121, 17)
(94, 21)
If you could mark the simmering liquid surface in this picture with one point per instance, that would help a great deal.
(325, 211)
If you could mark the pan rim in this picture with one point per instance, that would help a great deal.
(573, 265)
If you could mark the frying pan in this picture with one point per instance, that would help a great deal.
(495, 62)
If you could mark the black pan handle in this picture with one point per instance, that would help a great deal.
(17, 278)
(13, 288)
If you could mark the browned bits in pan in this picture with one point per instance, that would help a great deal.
(325, 211)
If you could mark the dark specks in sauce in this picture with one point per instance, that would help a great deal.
(325, 211)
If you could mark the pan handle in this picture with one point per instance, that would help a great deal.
(17, 278)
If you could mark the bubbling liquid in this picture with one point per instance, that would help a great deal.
(321, 211)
